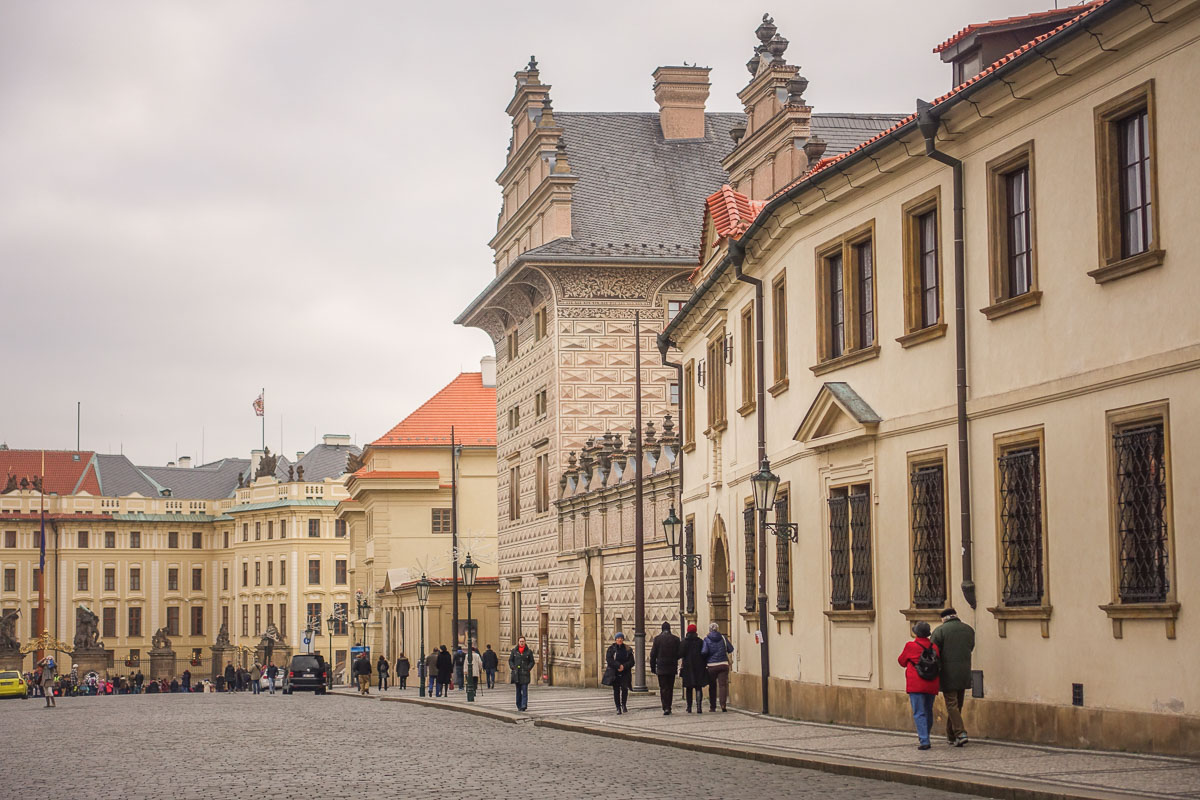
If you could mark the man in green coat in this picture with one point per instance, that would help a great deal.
(955, 640)
(520, 667)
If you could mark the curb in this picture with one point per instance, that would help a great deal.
(932, 777)
(502, 716)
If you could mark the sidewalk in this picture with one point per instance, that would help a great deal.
(987, 768)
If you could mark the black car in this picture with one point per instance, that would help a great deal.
(306, 673)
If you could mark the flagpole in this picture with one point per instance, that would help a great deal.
(263, 395)
(42, 564)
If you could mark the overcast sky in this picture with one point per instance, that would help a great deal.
(201, 199)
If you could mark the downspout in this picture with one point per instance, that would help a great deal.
(737, 253)
(928, 123)
(663, 346)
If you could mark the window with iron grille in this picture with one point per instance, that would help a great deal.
(689, 538)
(927, 487)
(783, 558)
(1021, 546)
(1141, 496)
(850, 548)
(751, 566)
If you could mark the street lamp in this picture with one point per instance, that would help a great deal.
(469, 570)
(364, 611)
(765, 485)
(329, 623)
(422, 599)
(672, 527)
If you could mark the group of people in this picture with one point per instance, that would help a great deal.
(445, 672)
(939, 661)
(701, 663)
(46, 681)
(240, 679)
(384, 670)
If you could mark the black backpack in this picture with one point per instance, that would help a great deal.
(927, 665)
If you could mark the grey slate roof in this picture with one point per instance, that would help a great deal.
(120, 478)
(208, 481)
(852, 401)
(326, 461)
(844, 132)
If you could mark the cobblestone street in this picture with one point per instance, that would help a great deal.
(205, 746)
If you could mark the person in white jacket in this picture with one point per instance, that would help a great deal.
(476, 666)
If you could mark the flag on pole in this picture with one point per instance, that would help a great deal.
(42, 492)
(259, 406)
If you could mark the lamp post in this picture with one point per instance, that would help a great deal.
(672, 526)
(469, 570)
(422, 599)
(364, 611)
(765, 484)
(329, 623)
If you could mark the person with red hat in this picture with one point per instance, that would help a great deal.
(694, 669)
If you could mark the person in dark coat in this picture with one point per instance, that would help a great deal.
(187, 680)
(402, 669)
(520, 671)
(431, 671)
(693, 669)
(460, 661)
(921, 691)
(445, 668)
(362, 673)
(490, 662)
(955, 640)
(619, 674)
(664, 660)
(383, 668)
(716, 649)
(230, 678)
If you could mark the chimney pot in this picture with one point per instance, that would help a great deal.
(185, 461)
(681, 93)
(487, 366)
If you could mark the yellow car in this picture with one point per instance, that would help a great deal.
(13, 685)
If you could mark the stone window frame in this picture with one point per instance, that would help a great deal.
(1000, 302)
(172, 625)
(715, 383)
(1113, 264)
(848, 484)
(853, 351)
(1167, 611)
(110, 540)
(135, 579)
(541, 328)
(688, 409)
(918, 459)
(915, 331)
(440, 520)
(542, 481)
(779, 343)
(747, 368)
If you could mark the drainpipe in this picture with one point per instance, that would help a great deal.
(928, 123)
(737, 253)
(663, 346)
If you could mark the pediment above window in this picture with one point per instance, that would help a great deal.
(838, 415)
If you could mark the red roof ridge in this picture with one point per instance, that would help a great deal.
(464, 403)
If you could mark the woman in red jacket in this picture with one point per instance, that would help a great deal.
(921, 690)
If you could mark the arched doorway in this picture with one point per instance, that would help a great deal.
(718, 582)
(589, 670)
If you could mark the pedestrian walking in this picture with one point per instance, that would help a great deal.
(693, 669)
(187, 680)
(520, 669)
(490, 662)
(445, 670)
(256, 674)
(664, 660)
(402, 669)
(476, 668)
(431, 670)
(272, 674)
(362, 673)
(920, 661)
(619, 674)
(460, 661)
(716, 649)
(49, 668)
(383, 668)
(955, 640)
(138, 680)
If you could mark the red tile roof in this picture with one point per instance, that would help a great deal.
(997, 23)
(465, 403)
(67, 471)
(826, 163)
(731, 212)
(432, 475)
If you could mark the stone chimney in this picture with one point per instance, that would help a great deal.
(185, 462)
(342, 439)
(681, 93)
(299, 454)
(487, 365)
(255, 458)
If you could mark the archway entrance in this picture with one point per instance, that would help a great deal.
(589, 670)
(718, 582)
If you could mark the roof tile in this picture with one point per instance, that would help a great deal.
(464, 403)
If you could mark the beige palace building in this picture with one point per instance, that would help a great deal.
(1009, 427)
(181, 547)
(406, 503)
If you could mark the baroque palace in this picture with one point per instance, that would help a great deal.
(985, 419)
(248, 547)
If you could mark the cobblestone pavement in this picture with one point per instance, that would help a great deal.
(242, 746)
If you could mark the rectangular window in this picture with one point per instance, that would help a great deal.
(257, 531)
(314, 570)
(283, 529)
(258, 619)
(512, 345)
(440, 520)
(1141, 484)
(225, 540)
(689, 534)
(927, 517)
(197, 540)
(110, 579)
(270, 614)
(108, 627)
(779, 360)
(314, 528)
(224, 579)
(715, 362)
(172, 620)
(245, 531)
(747, 358)
(197, 579)
(173, 540)
(10, 538)
(283, 619)
(135, 579)
(673, 308)
(542, 476)
(83, 540)
(539, 404)
(1126, 174)
(135, 622)
(850, 548)
(514, 492)
(270, 529)
(783, 555)
(173, 579)
(837, 306)
(927, 265)
(922, 269)
(1012, 232)
(225, 616)
(339, 572)
(258, 573)
(864, 258)
(197, 620)
(282, 572)
(1022, 550)
(37, 585)
(110, 542)
(81, 579)
(10, 579)
(846, 295)
(135, 540)
(339, 528)
(245, 574)
(514, 417)
(673, 393)
(245, 620)
(539, 324)
(270, 573)
(312, 616)
(750, 539)
(688, 411)
(341, 611)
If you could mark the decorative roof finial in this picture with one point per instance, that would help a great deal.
(766, 30)
(533, 65)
